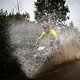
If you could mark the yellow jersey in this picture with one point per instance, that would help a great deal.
(52, 33)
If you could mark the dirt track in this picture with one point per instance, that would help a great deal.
(66, 71)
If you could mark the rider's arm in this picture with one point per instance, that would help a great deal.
(39, 38)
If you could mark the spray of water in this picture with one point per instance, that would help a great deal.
(70, 44)
(22, 38)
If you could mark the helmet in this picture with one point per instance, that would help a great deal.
(45, 25)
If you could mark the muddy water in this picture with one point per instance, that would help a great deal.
(69, 71)
(66, 71)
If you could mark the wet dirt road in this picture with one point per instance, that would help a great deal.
(67, 71)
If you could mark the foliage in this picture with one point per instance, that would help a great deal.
(5, 18)
(54, 10)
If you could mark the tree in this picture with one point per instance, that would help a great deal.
(25, 16)
(53, 10)
(18, 15)
(3, 18)
(18, 7)
(71, 24)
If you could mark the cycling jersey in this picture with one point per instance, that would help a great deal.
(52, 33)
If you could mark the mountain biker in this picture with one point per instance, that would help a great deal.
(48, 32)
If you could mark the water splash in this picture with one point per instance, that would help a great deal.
(22, 38)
